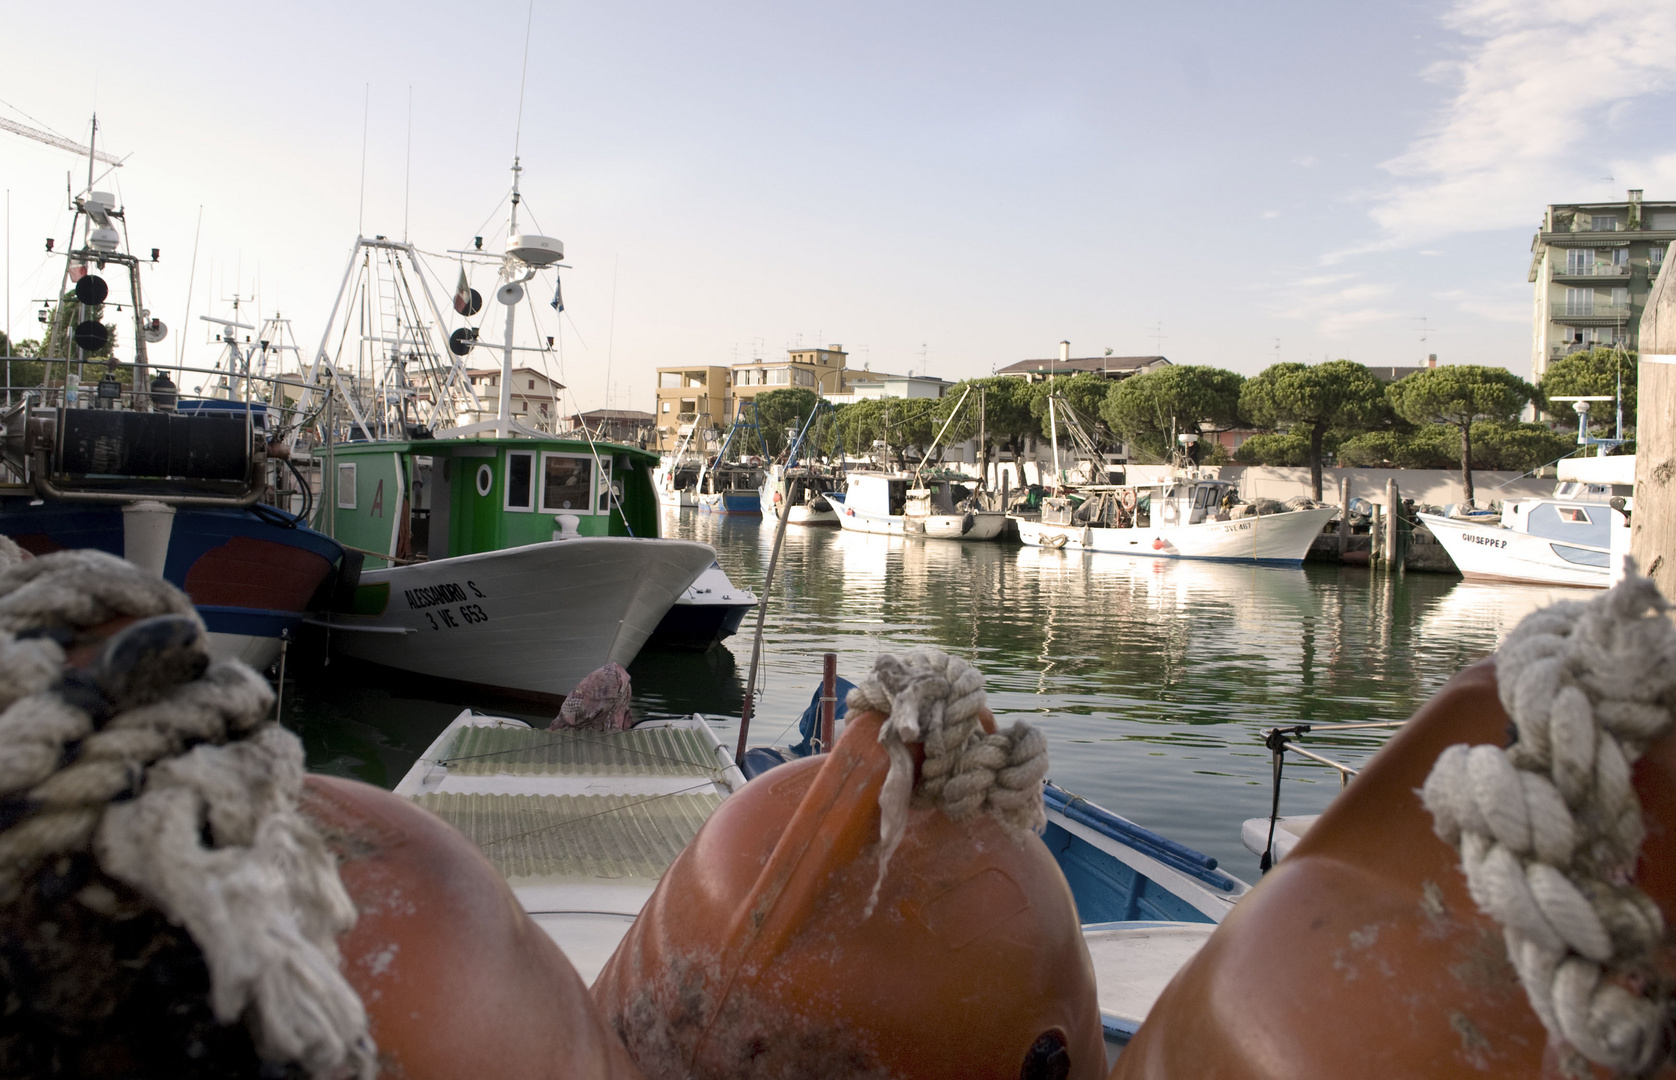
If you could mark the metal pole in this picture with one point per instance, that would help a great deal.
(1343, 516)
(1393, 511)
(792, 492)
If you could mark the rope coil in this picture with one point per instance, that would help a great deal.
(166, 768)
(935, 699)
(1550, 828)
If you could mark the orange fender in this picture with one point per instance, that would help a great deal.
(753, 958)
(456, 979)
(1362, 954)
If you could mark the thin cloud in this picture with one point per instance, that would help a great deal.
(1538, 92)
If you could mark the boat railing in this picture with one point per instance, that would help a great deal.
(1283, 740)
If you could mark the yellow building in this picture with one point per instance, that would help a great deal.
(699, 396)
(821, 370)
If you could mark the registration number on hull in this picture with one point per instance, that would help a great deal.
(429, 601)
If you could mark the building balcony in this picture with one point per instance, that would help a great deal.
(1587, 314)
(1594, 270)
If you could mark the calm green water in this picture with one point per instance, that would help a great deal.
(1153, 679)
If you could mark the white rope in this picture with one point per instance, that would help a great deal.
(932, 698)
(212, 837)
(1550, 829)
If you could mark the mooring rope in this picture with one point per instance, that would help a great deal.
(166, 767)
(1550, 829)
(932, 698)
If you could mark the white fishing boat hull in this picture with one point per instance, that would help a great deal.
(529, 620)
(1267, 538)
(677, 500)
(1490, 552)
(982, 524)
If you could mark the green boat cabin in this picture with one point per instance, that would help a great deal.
(433, 498)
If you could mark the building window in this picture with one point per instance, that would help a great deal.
(566, 482)
(532, 384)
(1620, 298)
(520, 480)
(802, 377)
(666, 406)
(1603, 223)
(346, 487)
(1664, 222)
(1655, 256)
(1579, 260)
(777, 377)
(1579, 301)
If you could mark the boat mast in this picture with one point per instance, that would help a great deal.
(503, 418)
(1053, 420)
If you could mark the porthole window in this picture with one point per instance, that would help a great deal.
(485, 479)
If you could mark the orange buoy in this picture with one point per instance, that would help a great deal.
(756, 956)
(456, 979)
(1157, 543)
(1362, 953)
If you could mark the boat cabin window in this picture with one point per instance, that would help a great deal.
(567, 482)
(1204, 497)
(1575, 514)
(346, 486)
(603, 501)
(520, 480)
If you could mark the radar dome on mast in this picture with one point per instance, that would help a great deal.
(532, 249)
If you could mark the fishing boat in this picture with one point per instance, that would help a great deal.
(798, 492)
(1577, 537)
(915, 504)
(498, 554)
(188, 489)
(676, 477)
(584, 823)
(794, 485)
(709, 611)
(1189, 516)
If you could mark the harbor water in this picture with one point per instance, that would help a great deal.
(1153, 679)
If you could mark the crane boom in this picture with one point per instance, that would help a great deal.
(54, 140)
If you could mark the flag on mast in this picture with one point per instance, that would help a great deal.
(462, 293)
(558, 293)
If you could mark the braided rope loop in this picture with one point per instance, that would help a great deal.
(935, 699)
(168, 768)
(1549, 829)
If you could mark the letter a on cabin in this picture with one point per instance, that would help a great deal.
(378, 500)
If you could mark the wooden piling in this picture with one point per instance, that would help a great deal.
(1653, 522)
(1393, 534)
(1376, 548)
(1343, 516)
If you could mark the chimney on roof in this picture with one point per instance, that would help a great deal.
(1064, 352)
(1431, 361)
(1634, 194)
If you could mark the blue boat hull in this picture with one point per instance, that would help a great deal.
(251, 577)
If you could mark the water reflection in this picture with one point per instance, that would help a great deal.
(1153, 679)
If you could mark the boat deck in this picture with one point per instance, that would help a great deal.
(582, 824)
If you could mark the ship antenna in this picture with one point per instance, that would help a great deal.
(523, 80)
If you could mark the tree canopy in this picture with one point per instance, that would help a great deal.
(1150, 410)
(1461, 395)
(1596, 372)
(1313, 400)
(783, 411)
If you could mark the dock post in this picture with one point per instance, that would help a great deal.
(1654, 519)
(1376, 537)
(1343, 516)
(829, 701)
(1393, 533)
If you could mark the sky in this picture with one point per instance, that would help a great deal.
(939, 187)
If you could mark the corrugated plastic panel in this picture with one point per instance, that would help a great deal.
(487, 751)
(576, 836)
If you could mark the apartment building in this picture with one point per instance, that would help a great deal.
(689, 395)
(1591, 266)
(820, 370)
(868, 385)
(534, 403)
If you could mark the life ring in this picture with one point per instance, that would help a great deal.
(1128, 499)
